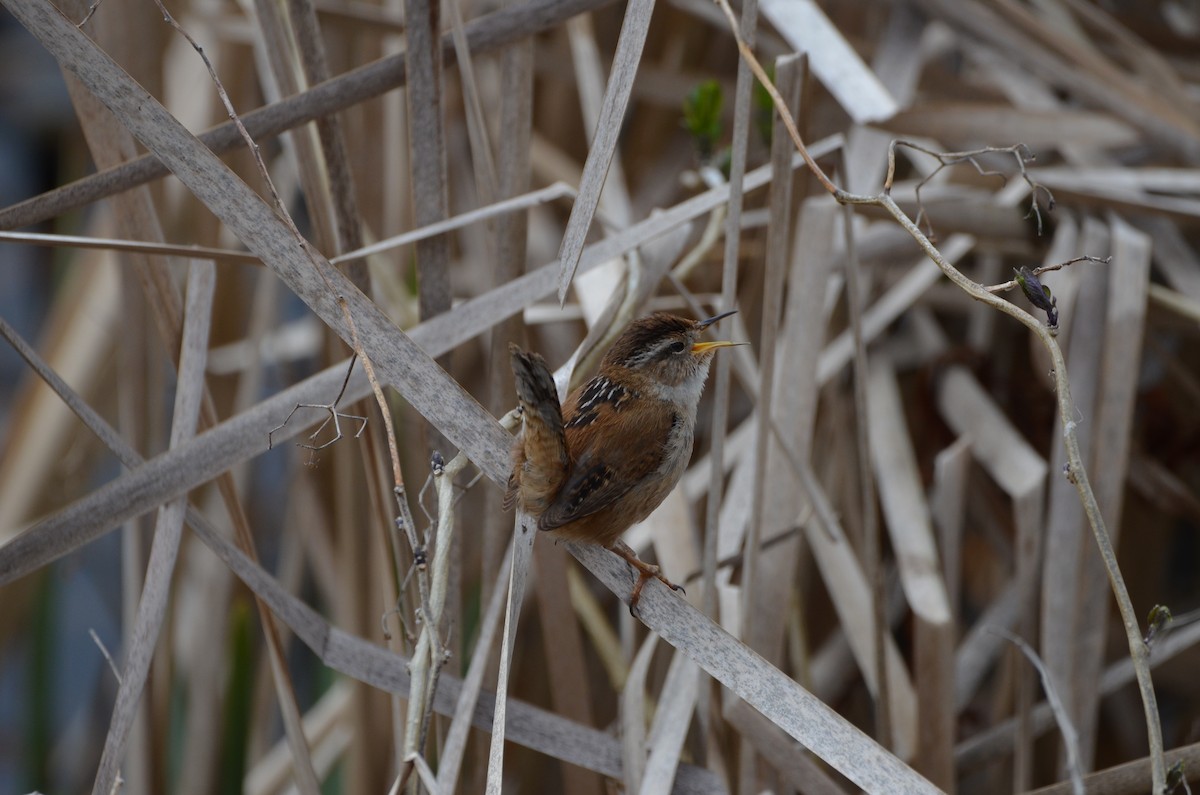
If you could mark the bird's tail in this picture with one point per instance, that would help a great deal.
(540, 452)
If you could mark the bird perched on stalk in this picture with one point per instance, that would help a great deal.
(606, 458)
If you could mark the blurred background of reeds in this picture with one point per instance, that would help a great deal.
(949, 461)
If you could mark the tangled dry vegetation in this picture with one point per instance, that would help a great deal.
(897, 531)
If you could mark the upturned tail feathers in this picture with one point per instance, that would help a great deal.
(540, 453)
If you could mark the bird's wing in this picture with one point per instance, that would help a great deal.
(612, 450)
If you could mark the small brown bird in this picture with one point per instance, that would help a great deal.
(606, 458)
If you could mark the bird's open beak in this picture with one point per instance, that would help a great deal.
(701, 347)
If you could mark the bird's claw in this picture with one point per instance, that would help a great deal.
(647, 572)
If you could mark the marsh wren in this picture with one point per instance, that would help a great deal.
(602, 461)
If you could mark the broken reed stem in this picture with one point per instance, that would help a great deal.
(1076, 471)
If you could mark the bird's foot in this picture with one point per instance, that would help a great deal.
(646, 572)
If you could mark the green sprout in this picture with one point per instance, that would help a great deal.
(702, 117)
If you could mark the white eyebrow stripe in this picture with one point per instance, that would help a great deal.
(649, 354)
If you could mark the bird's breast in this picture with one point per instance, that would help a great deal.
(677, 447)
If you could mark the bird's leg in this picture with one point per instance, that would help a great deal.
(646, 571)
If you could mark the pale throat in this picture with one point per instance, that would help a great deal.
(686, 394)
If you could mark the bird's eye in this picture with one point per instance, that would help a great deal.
(677, 347)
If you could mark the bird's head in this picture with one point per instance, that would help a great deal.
(664, 353)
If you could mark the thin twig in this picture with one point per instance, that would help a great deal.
(277, 203)
(1069, 735)
(1020, 153)
(335, 417)
(91, 10)
(403, 520)
(104, 649)
(1012, 283)
(1077, 473)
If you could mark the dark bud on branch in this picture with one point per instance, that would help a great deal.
(1038, 294)
(1175, 779)
(1157, 621)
